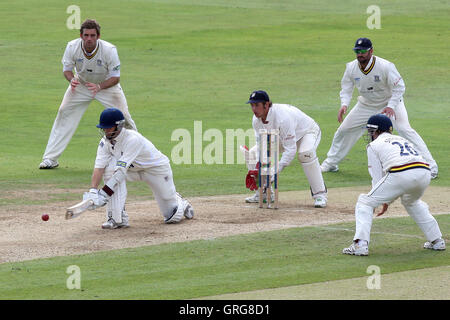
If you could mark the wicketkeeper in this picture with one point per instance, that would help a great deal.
(298, 132)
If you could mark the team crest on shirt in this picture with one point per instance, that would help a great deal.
(99, 62)
(376, 78)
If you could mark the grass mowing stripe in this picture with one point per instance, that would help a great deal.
(223, 265)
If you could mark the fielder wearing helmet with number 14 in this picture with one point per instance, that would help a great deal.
(398, 171)
(125, 155)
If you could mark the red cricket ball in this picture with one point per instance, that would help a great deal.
(45, 217)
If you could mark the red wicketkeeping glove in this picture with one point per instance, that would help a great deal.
(250, 180)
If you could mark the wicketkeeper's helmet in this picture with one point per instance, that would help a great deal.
(111, 117)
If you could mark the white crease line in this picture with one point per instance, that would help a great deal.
(255, 206)
(373, 232)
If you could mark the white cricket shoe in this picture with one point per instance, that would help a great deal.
(48, 164)
(188, 210)
(434, 173)
(438, 244)
(320, 202)
(357, 250)
(255, 198)
(111, 224)
(184, 208)
(326, 167)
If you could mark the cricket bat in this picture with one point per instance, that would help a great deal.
(79, 208)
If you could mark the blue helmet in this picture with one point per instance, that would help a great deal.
(111, 117)
(379, 122)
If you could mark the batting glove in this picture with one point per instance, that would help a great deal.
(99, 197)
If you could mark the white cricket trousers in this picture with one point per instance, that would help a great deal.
(354, 126)
(306, 154)
(71, 110)
(158, 178)
(409, 185)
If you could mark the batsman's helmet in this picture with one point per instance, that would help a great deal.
(111, 117)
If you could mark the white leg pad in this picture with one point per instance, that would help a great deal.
(116, 204)
(314, 176)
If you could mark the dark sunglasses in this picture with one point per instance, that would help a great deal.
(360, 50)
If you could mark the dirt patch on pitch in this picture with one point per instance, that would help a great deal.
(24, 236)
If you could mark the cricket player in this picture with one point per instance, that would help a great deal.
(125, 155)
(298, 133)
(381, 90)
(97, 75)
(398, 171)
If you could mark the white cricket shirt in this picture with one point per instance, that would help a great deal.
(130, 148)
(388, 151)
(292, 123)
(379, 85)
(102, 64)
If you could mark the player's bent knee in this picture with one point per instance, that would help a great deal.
(366, 200)
(307, 156)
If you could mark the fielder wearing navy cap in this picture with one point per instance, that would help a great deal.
(363, 44)
(258, 96)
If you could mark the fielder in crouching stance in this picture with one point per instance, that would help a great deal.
(125, 155)
(92, 67)
(298, 132)
(397, 170)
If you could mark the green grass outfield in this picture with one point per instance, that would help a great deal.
(185, 61)
(225, 265)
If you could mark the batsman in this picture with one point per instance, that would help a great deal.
(125, 155)
(299, 134)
